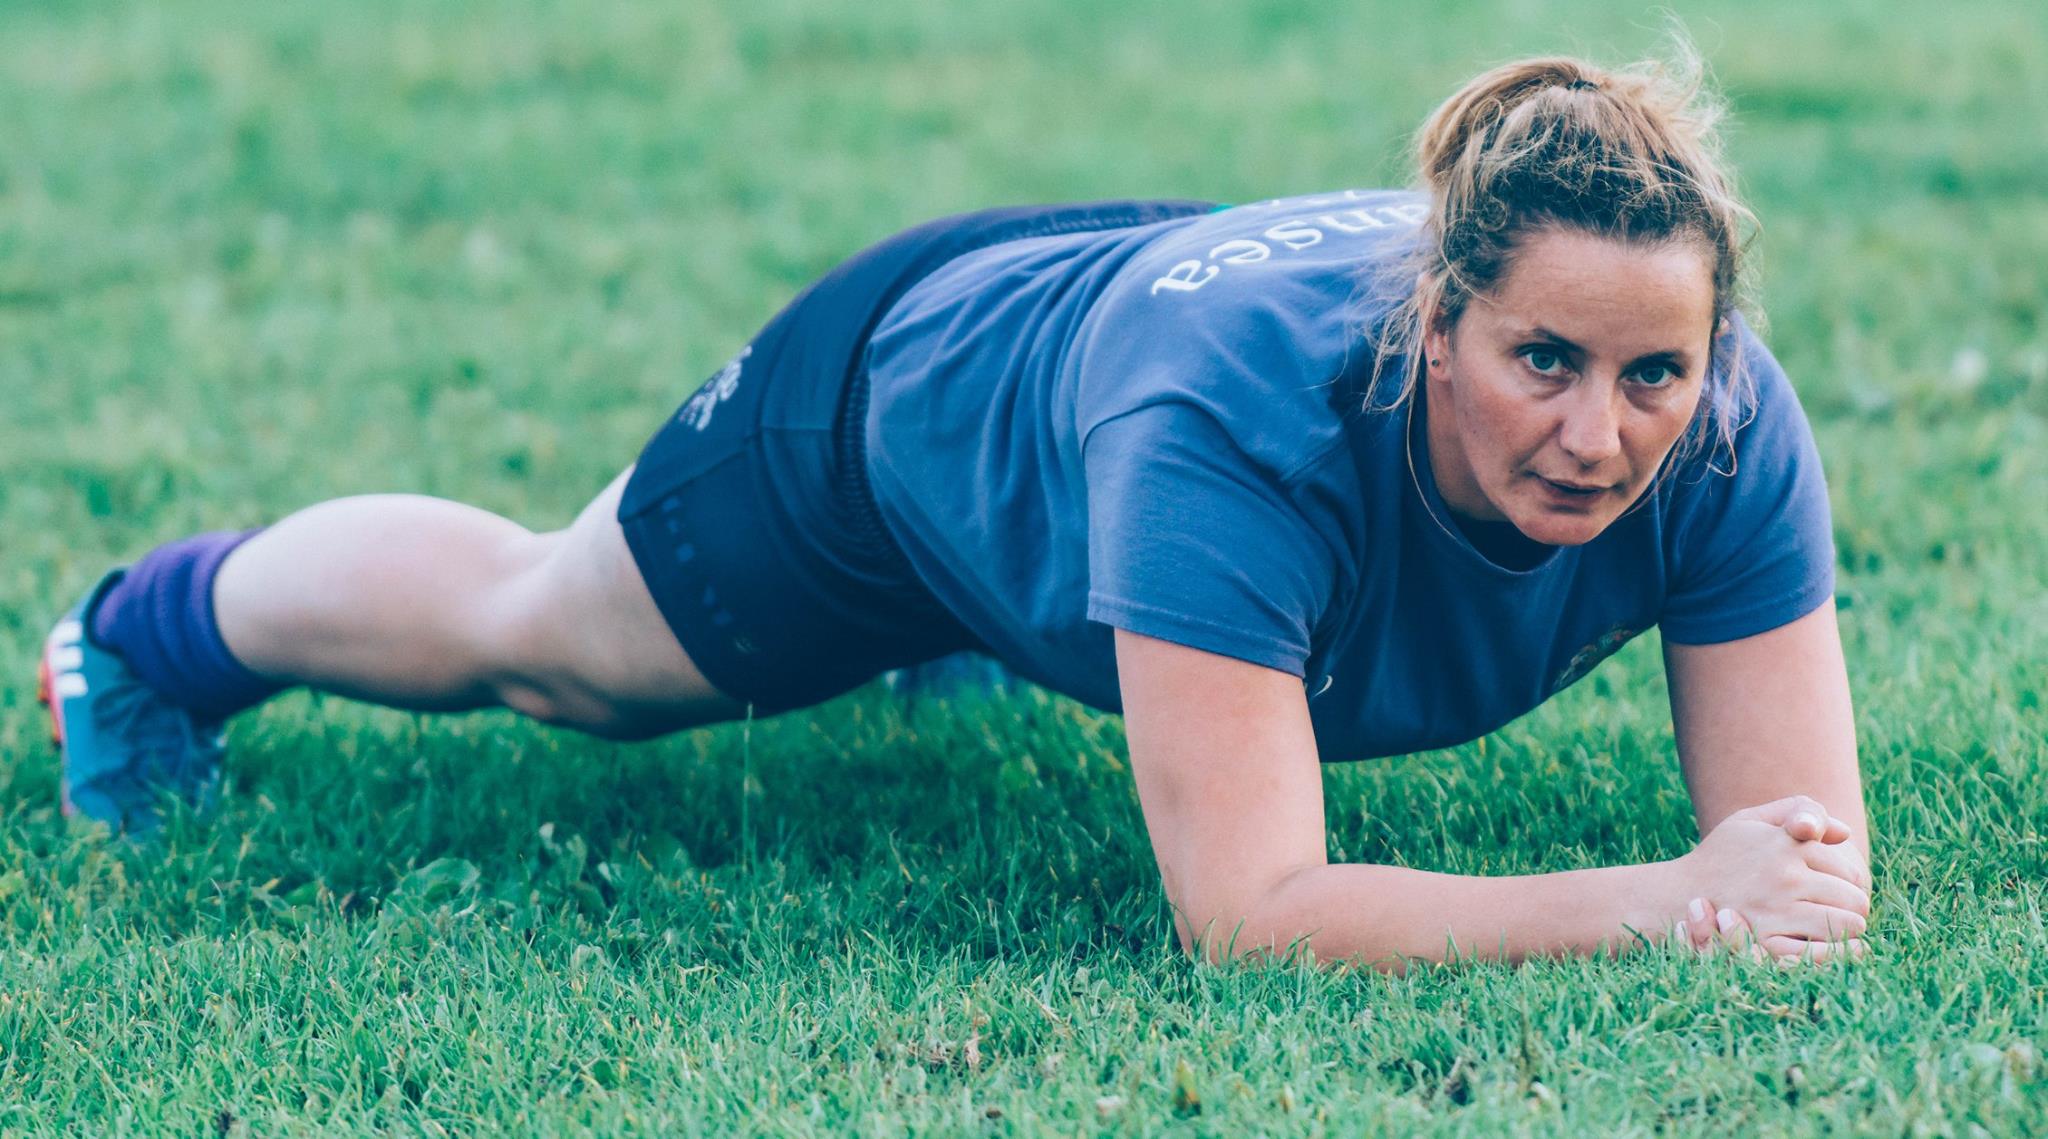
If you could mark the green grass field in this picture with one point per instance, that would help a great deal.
(254, 256)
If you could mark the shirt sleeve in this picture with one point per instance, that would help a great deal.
(1190, 541)
(1753, 549)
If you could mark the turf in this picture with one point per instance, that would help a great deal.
(254, 256)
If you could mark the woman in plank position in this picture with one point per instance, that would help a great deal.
(1314, 479)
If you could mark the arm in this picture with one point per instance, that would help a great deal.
(1227, 773)
(1225, 762)
(1766, 717)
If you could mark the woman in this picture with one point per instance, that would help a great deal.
(1317, 478)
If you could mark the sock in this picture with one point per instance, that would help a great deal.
(159, 617)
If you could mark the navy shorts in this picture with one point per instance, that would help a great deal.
(750, 513)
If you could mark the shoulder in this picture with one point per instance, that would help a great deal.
(1258, 316)
(1749, 537)
(1750, 416)
(1230, 252)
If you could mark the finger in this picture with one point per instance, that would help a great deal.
(1732, 933)
(1781, 812)
(1826, 923)
(1805, 827)
(1838, 831)
(1792, 951)
(1808, 921)
(1828, 890)
(1844, 862)
(1699, 924)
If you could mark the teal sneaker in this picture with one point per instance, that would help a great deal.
(124, 747)
(963, 675)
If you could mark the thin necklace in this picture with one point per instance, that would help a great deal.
(1408, 447)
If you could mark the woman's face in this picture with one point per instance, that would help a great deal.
(1555, 398)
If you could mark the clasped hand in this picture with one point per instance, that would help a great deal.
(1778, 881)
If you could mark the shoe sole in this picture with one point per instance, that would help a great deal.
(46, 695)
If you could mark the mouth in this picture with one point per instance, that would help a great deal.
(1588, 490)
(1574, 492)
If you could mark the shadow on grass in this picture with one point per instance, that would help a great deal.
(985, 826)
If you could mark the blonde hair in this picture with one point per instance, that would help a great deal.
(1628, 153)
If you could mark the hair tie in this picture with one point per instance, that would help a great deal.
(1582, 85)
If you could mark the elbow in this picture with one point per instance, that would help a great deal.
(1263, 922)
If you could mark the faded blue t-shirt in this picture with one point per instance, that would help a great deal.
(1159, 429)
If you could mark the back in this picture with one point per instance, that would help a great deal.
(990, 377)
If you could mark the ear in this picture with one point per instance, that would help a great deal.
(1436, 349)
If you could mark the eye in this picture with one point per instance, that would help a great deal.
(1657, 375)
(1544, 361)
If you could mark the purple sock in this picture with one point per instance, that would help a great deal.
(159, 617)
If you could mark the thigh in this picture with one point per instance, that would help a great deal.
(753, 565)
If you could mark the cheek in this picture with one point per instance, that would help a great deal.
(1661, 429)
(1506, 423)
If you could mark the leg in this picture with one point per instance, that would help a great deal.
(422, 603)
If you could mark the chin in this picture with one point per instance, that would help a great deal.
(1558, 528)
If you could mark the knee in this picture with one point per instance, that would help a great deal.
(511, 630)
(530, 700)
(509, 614)
(566, 705)
(566, 647)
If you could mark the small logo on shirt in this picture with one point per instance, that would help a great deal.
(696, 411)
(1582, 662)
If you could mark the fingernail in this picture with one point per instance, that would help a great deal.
(1726, 919)
(1699, 909)
(1805, 817)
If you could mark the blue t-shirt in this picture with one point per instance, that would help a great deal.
(1160, 429)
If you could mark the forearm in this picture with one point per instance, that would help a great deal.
(1766, 718)
(1386, 915)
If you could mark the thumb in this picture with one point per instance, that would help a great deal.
(1802, 816)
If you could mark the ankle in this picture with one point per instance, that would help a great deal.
(158, 616)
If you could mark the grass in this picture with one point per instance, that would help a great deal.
(256, 256)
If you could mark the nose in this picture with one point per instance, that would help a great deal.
(1591, 431)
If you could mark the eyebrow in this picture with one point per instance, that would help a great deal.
(1675, 356)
